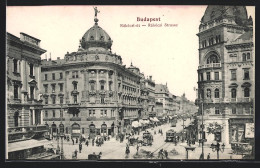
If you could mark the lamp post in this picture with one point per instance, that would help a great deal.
(217, 147)
(61, 136)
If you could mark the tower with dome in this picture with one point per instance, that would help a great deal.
(226, 83)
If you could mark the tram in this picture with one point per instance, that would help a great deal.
(147, 138)
(170, 136)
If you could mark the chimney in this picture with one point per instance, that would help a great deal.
(46, 56)
(150, 77)
(58, 58)
(50, 56)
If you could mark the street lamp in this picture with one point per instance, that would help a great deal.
(217, 147)
(61, 136)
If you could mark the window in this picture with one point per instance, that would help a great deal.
(102, 100)
(246, 92)
(217, 38)
(233, 74)
(208, 93)
(216, 110)
(90, 113)
(53, 88)
(246, 74)
(216, 93)
(92, 86)
(233, 93)
(216, 75)
(234, 110)
(61, 75)
(15, 65)
(61, 87)
(102, 86)
(53, 76)
(201, 76)
(16, 119)
(31, 92)
(46, 100)
(82, 130)
(248, 56)
(75, 86)
(46, 77)
(75, 99)
(46, 114)
(53, 100)
(93, 113)
(31, 69)
(46, 88)
(53, 113)
(101, 113)
(61, 113)
(244, 56)
(15, 91)
(75, 74)
(110, 86)
(105, 113)
(212, 59)
(61, 100)
(208, 75)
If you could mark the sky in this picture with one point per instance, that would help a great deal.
(169, 54)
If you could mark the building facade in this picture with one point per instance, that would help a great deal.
(226, 73)
(90, 90)
(24, 105)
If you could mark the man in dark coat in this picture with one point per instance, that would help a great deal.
(80, 147)
(208, 157)
(87, 142)
(72, 141)
(93, 142)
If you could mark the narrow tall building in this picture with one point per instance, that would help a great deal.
(226, 74)
(24, 105)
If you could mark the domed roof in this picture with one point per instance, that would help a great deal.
(214, 11)
(96, 37)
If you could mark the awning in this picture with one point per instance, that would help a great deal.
(27, 144)
(155, 119)
(135, 124)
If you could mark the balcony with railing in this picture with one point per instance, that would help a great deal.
(238, 100)
(75, 119)
(212, 65)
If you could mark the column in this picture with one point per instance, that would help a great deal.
(33, 116)
(226, 134)
(23, 69)
(41, 120)
(38, 77)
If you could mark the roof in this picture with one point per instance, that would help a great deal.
(246, 36)
(160, 88)
(214, 11)
(27, 144)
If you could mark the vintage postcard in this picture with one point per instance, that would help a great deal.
(167, 82)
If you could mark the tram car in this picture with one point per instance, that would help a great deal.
(147, 139)
(170, 136)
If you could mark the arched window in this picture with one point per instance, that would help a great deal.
(233, 93)
(246, 92)
(208, 93)
(216, 93)
(212, 59)
(15, 65)
(248, 56)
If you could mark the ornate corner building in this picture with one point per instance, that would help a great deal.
(91, 91)
(226, 73)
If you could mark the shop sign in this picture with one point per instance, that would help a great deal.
(250, 130)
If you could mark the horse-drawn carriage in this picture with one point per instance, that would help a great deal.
(94, 156)
(147, 139)
(132, 140)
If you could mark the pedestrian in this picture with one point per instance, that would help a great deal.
(137, 148)
(76, 140)
(80, 147)
(208, 157)
(76, 153)
(72, 141)
(166, 154)
(87, 142)
(93, 142)
(201, 157)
